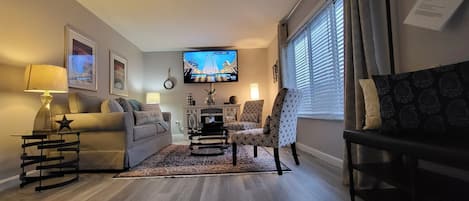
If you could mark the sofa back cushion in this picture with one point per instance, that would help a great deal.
(111, 105)
(81, 103)
(434, 101)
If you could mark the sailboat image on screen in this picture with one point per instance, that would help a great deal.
(210, 66)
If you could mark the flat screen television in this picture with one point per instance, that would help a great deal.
(209, 66)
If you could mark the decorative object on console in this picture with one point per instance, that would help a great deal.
(118, 77)
(189, 99)
(153, 98)
(64, 123)
(233, 100)
(254, 91)
(80, 60)
(45, 79)
(210, 95)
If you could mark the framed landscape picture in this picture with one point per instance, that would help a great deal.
(80, 56)
(118, 70)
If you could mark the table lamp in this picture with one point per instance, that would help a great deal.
(45, 79)
(153, 98)
(254, 91)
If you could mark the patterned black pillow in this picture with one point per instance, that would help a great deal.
(431, 101)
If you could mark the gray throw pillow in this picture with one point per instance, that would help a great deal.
(136, 106)
(125, 105)
(111, 105)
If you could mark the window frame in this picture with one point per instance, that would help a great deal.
(306, 31)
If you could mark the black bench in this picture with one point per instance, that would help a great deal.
(411, 182)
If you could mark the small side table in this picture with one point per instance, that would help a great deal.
(50, 166)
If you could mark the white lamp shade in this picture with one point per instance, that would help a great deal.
(254, 91)
(42, 78)
(153, 98)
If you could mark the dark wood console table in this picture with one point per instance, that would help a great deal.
(50, 167)
(410, 181)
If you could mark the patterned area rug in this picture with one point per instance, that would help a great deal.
(176, 161)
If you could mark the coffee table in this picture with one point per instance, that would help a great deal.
(211, 141)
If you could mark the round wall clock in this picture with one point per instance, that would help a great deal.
(168, 84)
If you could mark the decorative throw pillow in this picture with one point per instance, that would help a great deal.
(427, 101)
(81, 103)
(111, 105)
(136, 106)
(372, 112)
(125, 105)
(249, 117)
(266, 129)
(145, 117)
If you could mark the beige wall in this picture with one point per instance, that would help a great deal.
(422, 48)
(252, 69)
(33, 32)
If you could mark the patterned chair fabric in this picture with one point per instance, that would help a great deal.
(250, 118)
(282, 124)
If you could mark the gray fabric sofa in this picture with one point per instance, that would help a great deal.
(113, 141)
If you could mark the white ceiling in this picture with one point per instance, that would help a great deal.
(168, 25)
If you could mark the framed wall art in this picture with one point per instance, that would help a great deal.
(80, 56)
(118, 77)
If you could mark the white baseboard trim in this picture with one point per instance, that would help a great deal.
(332, 160)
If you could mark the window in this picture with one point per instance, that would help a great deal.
(317, 53)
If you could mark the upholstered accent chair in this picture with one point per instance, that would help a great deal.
(280, 131)
(250, 118)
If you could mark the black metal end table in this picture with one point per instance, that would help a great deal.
(50, 167)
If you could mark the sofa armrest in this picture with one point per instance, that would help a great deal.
(167, 116)
(95, 121)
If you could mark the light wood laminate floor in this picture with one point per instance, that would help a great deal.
(313, 180)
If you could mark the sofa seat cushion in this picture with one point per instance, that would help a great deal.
(144, 131)
(241, 125)
(146, 117)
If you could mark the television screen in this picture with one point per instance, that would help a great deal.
(210, 66)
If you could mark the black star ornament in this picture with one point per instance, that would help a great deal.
(64, 123)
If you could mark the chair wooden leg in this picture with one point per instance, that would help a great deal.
(277, 161)
(234, 150)
(295, 156)
(255, 151)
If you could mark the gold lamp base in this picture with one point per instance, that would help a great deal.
(43, 121)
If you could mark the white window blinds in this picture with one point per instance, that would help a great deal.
(317, 53)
